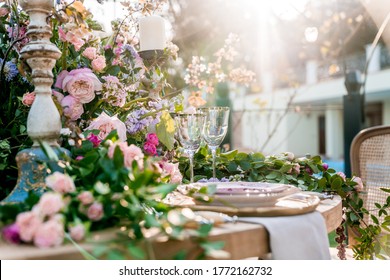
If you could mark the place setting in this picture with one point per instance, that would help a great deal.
(209, 126)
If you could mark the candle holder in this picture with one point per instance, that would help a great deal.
(43, 122)
(152, 56)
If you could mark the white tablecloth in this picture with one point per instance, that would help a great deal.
(300, 237)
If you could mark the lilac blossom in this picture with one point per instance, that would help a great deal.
(10, 70)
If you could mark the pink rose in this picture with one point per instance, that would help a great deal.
(57, 95)
(72, 108)
(4, 12)
(150, 149)
(60, 78)
(105, 124)
(28, 223)
(28, 98)
(172, 169)
(99, 63)
(90, 53)
(95, 211)
(50, 204)
(11, 234)
(61, 183)
(359, 187)
(75, 40)
(77, 232)
(342, 175)
(130, 153)
(152, 138)
(62, 34)
(94, 140)
(111, 79)
(290, 156)
(86, 197)
(50, 233)
(82, 84)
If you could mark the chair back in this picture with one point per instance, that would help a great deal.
(370, 160)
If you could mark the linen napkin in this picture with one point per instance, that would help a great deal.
(299, 237)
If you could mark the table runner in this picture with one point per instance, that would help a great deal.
(299, 237)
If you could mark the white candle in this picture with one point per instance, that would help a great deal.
(152, 33)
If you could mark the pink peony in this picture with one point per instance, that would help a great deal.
(95, 211)
(61, 183)
(50, 204)
(28, 223)
(50, 233)
(90, 53)
(77, 232)
(72, 108)
(28, 98)
(94, 140)
(11, 234)
(106, 124)
(359, 187)
(152, 138)
(60, 78)
(150, 149)
(86, 197)
(99, 63)
(82, 84)
(130, 153)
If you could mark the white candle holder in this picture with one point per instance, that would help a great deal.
(43, 122)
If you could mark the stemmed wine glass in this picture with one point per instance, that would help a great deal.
(215, 128)
(190, 127)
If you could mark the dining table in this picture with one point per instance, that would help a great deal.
(241, 239)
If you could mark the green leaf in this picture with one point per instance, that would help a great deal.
(273, 175)
(257, 157)
(385, 190)
(375, 219)
(115, 255)
(166, 130)
(113, 70)
(322, 183)
(229, 155)
(336, 184)
(136, 252)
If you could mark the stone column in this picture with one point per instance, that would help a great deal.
(43, 123)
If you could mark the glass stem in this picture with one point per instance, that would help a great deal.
(214, 154)
(191, 157)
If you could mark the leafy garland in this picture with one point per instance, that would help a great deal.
(309, 173)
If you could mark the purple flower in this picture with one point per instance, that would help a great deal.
(131, 49)
(11, 234)
(325, 166)
(10, 70)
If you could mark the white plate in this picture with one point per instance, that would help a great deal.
(244, 194)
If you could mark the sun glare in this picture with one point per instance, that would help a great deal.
(286, 9)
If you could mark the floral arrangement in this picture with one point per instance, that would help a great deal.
(116, 113)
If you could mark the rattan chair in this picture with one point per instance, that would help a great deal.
(370, 160)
